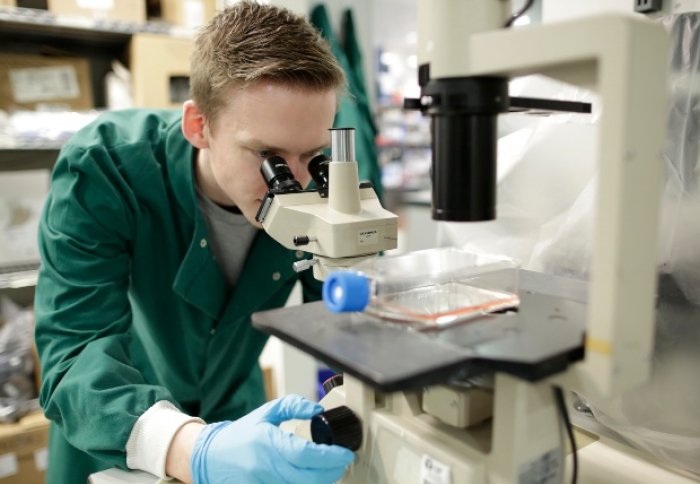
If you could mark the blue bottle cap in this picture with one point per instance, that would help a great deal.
(345, 291)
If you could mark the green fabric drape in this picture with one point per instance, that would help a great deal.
(356, 75)
(354, 111)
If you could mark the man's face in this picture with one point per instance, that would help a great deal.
(262, 120)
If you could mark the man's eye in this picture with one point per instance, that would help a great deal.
(265, 153)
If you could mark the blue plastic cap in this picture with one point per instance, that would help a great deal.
(345, 291)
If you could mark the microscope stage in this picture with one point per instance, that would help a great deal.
(542, 338)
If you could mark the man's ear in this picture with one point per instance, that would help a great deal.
(194, 125)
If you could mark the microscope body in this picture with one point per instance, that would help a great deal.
(456, 435)
(341, 222)
(623, 59)
(448, 434)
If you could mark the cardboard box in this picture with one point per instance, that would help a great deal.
(23, 450)
(187, 13)
(34, 81)
(117, 10)
(160, 68)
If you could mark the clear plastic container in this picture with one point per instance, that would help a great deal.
(428, 289)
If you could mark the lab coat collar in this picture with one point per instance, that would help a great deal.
(267, 269)
(179, 154)
(199, 280)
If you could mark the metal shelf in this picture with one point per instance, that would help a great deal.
(47, 134)
(33, 31)
(42, 23)
(22, 277)
(37, 145)
(404, 145)
(27, 158)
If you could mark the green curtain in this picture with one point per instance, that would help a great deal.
(354, 111)
(356, 75)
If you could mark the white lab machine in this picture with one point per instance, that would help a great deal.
(422, 409)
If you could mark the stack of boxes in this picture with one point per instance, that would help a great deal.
(160, 68)
(114, 10)
(33, 82)
(189, 14)
(185, 13)
(23, 450)
(159, 63)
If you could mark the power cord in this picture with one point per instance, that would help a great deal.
(515, 16)
(561, 405)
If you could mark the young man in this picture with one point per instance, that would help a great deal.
(153, 264)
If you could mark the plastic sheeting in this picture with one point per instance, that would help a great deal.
(546, 170)
(17, 393)
(546, 190)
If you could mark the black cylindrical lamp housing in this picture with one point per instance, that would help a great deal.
(464, 135)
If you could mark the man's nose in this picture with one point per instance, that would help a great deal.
(296, 166)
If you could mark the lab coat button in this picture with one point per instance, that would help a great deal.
(276, 276)
(203, 243)
(299, 254)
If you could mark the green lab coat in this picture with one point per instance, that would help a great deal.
(131, 307)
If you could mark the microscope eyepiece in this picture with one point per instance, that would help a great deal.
(318, 168)
(278, 176)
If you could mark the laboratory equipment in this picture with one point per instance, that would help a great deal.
(423, 408)
(425, 290)
(341, 221)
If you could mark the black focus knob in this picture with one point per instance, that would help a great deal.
(300, 240)
(337, 426)
(332, 382)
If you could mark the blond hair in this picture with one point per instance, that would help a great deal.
(249, 42)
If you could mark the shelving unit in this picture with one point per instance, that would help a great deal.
(404, 153)
(29, 21)
(34, 32)
(19, 277)
(28, 157)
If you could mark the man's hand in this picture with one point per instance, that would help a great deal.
(254, 449)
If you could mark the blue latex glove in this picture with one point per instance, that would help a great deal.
(254, 449)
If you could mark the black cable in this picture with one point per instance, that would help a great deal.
(561, 405)
(515, 16)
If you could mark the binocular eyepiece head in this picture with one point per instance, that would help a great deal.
(278, 176)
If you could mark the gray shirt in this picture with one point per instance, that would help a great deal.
(230, 237)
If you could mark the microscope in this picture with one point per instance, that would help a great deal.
(483, 402)
(340, 221)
